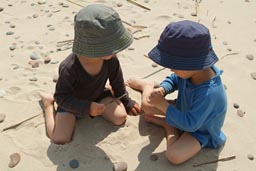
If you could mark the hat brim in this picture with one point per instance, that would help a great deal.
(94, 49)
(183, 63)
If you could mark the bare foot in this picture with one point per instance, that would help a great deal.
(156, 119)
(138, 84)
(47, 99)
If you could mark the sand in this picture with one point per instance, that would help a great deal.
(31, 50)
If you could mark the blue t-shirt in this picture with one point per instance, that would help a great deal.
(200, 109)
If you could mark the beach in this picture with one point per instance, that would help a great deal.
(37, 35)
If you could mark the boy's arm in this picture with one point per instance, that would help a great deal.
(170, 84)
(116, 81)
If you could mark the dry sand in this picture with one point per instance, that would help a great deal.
(32, 29)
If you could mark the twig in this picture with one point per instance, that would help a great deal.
(134, 26)
(136, 3)
(214, 161)
(65, 41)
(149, 75)
(138, 38)
(213, 25)
(235, 53)
(21, 122)
(118, 98)
(75, 3)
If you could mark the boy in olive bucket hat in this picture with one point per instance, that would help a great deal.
(80, 89)
(195, 118)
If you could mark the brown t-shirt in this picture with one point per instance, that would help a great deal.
(76, 89)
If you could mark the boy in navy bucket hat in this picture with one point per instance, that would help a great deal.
(193, 120)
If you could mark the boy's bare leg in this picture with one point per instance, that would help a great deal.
(115, 111)
(49, 110)
(180, 147)
(59, 128)
(146, 88)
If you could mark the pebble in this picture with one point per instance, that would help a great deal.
(34, 56)
(47, 60)
(2, 93)
(253, 75)
(74, 164)
(1, 9)
(12, 26)
(35, 15)
(119, 4)
(193, 14)
(240, 113)
(154, 157)
(229, 49)
(12, 47)
(2, 117)
(250, 57)
(229, 22)
(236, 105)
(120, 166)
(33, 79)
(41, 2)
(9, 33)
(225, 43)
(154, 65)
(131, 48)
(14, 159)
(181, 16)
(51, 28)
(55, 78)
(250, 157)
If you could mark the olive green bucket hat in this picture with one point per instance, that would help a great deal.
(99, 32)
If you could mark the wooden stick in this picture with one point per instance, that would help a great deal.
(136, 3)
(149, 75)
(21, 122)
(235, 53)
(134, 26)
(65, 41)
(138, 38)
(214, 161)
(118, 98)
(75, 3)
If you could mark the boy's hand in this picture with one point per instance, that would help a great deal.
(157, 99)
(96, 109)
(136, 110)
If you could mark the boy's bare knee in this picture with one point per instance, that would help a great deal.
(120, 120)
(174, 158)
(61, 140)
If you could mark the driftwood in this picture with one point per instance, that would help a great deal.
(21, 122)
(235, 53)
(215, 161)
(136, 3)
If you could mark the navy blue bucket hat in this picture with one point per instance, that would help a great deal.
(184, 45)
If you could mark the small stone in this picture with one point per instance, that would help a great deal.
(35, 15)
(9, 33)
(2, 117)
(120, 166)
(229, 49)
(229, 22)
(54, 62)
(52, 28)
(225, 87)
(41, 2)
(34, 56)
(74, 164)
(253, 75)
(154, 65)
(33, 79)
(47, 60)
(119, 4)
(236, 105)
(154, 157)
(2, 93)
(12, 26)
(131, 48)
(194, 14)
(225, 43)
(240, 113)
(55, 78)
(250, 157)
(1, 9)
(12, 47)
(250, 57)
(14, 159)
(181, 16)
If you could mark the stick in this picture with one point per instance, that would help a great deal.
(118, 98)
(138, 38)
(235, 53)
(65, 41)
(19, 123)
(149, 75)
(75, 3)
(134, 26)
(214, 161)
(136, 3)
(214, 19)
